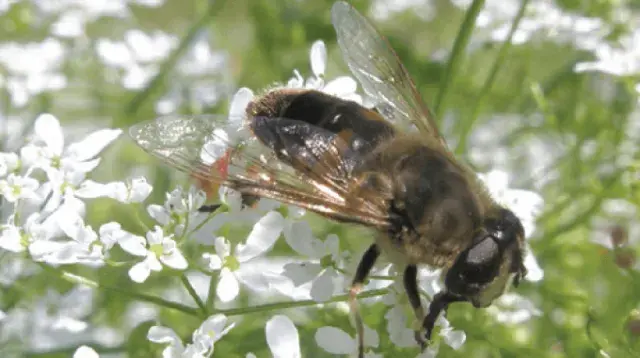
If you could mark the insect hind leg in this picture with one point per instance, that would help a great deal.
(364, 268)
(410, 280)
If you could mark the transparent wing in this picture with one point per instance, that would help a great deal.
(311, 173)
(377, 67)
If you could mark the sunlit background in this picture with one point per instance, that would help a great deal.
(555, 113)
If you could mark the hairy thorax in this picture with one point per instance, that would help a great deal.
(435, 207)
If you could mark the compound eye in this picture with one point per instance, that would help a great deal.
(483, 253)
(482, 261)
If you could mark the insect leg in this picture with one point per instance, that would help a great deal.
(439, 304)
(209, 208)
(410, 279)
(364, 267)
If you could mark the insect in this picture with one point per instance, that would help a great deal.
(364, 166)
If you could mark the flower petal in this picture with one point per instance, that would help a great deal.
(159, 334)
(85, 352)
(228, 287)
(223, 247)
(139, 272)
(318, 58)
(454, 338)
(534, 271)
(92, 144)
(264, 234)
(175, 260)
(299, 236)
(341, 86)
(47, 127)
(133, 244)
(322, 287)
(213, 261)
(334, 340)
(239, 104)
(282, 337)
(301, 273)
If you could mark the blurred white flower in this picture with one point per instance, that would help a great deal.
(85, 352)
(32, 68)
(344, 87)
(542, 20)
(157, 249)
(9, 163)
(233, 264)
(326, 258)
(203, 339)
(382, 10)
(282, 337)
(618, 59)
(336, 341)
(52, 320)
(512, 308)
(138, 55)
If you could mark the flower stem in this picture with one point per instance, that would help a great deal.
(456, 54)
(211, 295)
(292, 304)
(77, 279)
(194, 294)
(488, 83)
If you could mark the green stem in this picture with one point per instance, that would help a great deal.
(488, 84)
(138, 100)
(77, 279)
(194, 294)
(290, 304)
(211, 295)
(203, 223)
(462, 39)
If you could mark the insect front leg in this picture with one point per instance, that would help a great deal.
(208, 209)
(364, 268)
(410, 280)
(439, 304)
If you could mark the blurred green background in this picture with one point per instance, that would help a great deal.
(572, 137)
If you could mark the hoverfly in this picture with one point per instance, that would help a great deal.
(359, 165)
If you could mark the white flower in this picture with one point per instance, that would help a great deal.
(203, 339)
(336, 341)
(513, 309)
(282, 337)
(233, 266)
(9, 163)
(322, 271)
(344, 87)
(156, 249)
(33, 235)
(17, 187)
(526, 205)
(66, 168)
(178, 209)
(402, 321)
(85, 352)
